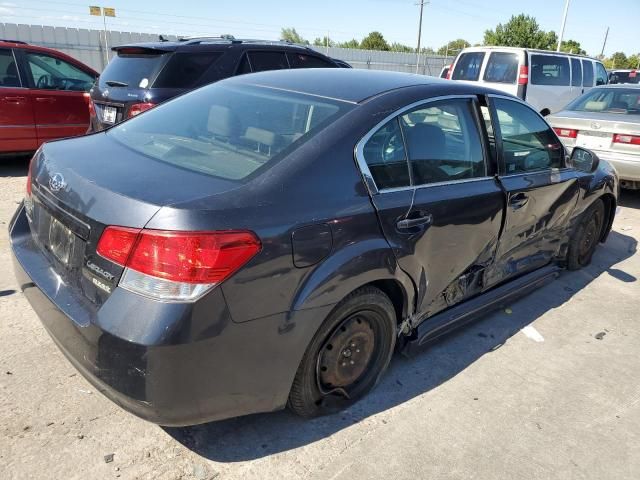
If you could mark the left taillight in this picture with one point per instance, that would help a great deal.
(176, 265)
(138, 108)
(566, 132)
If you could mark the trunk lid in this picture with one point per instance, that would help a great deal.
(82, 185)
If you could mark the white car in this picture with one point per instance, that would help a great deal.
(544, 79)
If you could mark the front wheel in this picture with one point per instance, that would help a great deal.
(586, 237)
(347, 356)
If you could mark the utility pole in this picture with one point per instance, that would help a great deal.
(422, 2)
(564, 21)
(606, 35)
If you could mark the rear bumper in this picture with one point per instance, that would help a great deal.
(171, 364)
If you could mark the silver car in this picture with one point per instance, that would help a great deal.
(606, 120)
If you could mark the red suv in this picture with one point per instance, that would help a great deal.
(43, 96)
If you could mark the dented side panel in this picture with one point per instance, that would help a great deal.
(446, 258)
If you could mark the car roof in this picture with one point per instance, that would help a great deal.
(522, 49)
(222, 42)
(619, 85)
(16, 44)
(350, 85)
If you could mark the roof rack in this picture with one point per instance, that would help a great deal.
(197, 40)
(13, 41)
(232, 39)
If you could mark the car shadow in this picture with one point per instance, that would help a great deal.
(629, 198)
(256, 436)
(14, 166)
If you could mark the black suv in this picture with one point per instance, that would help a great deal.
(142, 75)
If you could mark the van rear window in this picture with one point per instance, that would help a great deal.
(550, 70)
(468, 66)
(134, 68)
(502, 67)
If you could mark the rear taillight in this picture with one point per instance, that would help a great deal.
(626, 139)
(172, 265)
(566, 132)
(29, 182)
(523, 75)
(90, 106)
(138, 108)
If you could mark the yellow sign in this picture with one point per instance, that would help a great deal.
(109, 12)
(97, 11)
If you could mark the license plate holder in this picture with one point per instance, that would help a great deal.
(594, 140)
(61, 241)
(109, 114)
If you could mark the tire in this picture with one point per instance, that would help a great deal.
(586, 237)
(333, 377)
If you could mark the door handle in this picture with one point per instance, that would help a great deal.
(518, 200)
(45, 99)
(407, 223)
(14, 99)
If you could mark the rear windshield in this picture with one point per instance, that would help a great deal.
(608, 100)
(625, 77)
(502, 67)
(136, 70)
(228, 131)
(468, 66)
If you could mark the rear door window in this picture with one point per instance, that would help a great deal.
(302, 60)
(386, 158)
(183, 70)
(502, 67)
(9, 76)
(134, 67)
(587, 73)
(601, 74)
(443, 142)
(550, 70)
(468, 66)
(51, 73)
(261, 61)
(576, 72)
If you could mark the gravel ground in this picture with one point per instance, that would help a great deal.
(548, 388)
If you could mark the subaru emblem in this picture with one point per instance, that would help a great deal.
(56, 182)
(595, 125)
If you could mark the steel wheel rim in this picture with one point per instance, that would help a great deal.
(347, 359)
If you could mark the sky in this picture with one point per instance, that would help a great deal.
(397, 20)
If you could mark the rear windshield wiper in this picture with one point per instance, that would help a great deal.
(116, 83)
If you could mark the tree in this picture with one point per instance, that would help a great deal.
(290, 35)
(521, 31)
(620, 60)
(571, 46)
(374, 41)
(453, 47)
(323, 42)
(399, 47)
(353, 43)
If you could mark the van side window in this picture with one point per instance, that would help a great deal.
(502, 67)
(601, 74)
(528, 143)
(443, 142)
(587, 73)
(549, 70)
(576, 72)
(468, 66)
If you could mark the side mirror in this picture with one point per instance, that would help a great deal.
(584, 160)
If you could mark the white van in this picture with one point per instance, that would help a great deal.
(544, 79)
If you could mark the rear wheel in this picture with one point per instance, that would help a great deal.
(347, 356)
(586, 237)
